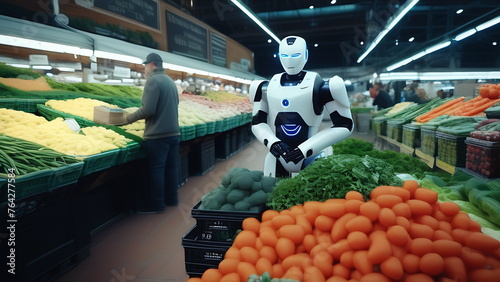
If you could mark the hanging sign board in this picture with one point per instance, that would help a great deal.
(186, 38)
(144, 11)
(39, 60)
(121, 72)
(218, 48)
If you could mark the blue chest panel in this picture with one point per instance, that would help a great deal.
(291, 128)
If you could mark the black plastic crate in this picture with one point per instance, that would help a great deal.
(183, 166)
(202, 157)
(201, 255)
(223, 146)
(451, 149)
(235, 144)
(220, 226)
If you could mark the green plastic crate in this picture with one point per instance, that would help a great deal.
(411, 135)
(380, 126)
(66, 175)
(428, 141)
(188, 132)
(211, 127)
(28, 185)
(99, 161)
(201, 129)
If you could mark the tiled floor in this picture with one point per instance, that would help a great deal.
(147, 248)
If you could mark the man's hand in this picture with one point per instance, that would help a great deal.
(294, 156)
(279, 149)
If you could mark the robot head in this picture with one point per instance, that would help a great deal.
(293, 54)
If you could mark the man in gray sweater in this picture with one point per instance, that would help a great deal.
(160, 102)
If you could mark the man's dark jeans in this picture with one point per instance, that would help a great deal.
(162, 158)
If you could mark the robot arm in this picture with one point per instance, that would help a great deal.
(260, 112)
(334, 97)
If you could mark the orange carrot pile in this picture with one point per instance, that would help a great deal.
(459, 107)
(400, 234)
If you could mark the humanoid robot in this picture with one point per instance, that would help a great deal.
(288, 111)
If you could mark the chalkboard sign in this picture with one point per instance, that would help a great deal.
(143, 11)
(186, 38)
(218, 44)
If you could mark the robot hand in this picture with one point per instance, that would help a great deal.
(294, 156)
(279, 149)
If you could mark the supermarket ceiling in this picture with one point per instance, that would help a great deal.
(343, 31)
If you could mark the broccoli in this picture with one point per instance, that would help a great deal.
(244, 181)
(236, 195)
(268, 183)
(214, 199)
(254, 209)
(257, 175)
(226, 180)
(227, 207)
(241, 206)
(258, 198)
(256, 186)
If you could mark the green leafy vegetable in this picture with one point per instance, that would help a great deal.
(332, 177)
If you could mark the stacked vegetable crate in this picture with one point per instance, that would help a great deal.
(411, 135)
(483, 157)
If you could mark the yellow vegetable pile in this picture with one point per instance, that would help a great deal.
(57, 135)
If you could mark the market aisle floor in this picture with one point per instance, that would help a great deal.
(148, 248)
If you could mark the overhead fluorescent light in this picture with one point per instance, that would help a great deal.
(488, 24)
(436, 76)
(399, 64)
(41, 45)
(254, 18)
(465, 34)
(42, 67)
(437, 47)
(392, 22)
(66, 69)
(418, 55)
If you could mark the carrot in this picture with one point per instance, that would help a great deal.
(388, 201)
(249, 254)
(390, 190)
(374, 277)
(309, 242)
(268, 237)
(333, 210)
(263, 265)
(380, 247)
(338, 230)
(481, 108)
(354, 195)
(324, 223)
(361, 262)
(392, 268)
(387, 217)
(269, 214)
(397, 235)
(245, 269)
(211, 275)
(426, 195)
(421, 246)
(231, 277)
(410, 186)
(278, 270)
(484, 275)
(431, 263)
(341, 270)
(346, 259)
(473, 258)
(269, 253)
(352, 206)
(441, 235)
(428, 220)
(447, 248)
(232, 253)
(419, 277)
(402, 209)
(419, 207)
(227, 266)
(358, 240)
(403, 222)
(251, 224)
(398, 252)
(313, 274)
(461, 220)
(411, 263)
(421, 231)
(440, 107)
(481, 242)
(281, 220)
(294, 273)
(359, 223)
(294, 260)
(324, 262)
(338, 248)
(454, 268)
(245, 238)
(370, 210)
(284, 248)
(293, 232)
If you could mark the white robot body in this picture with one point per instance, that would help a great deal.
(289, 110)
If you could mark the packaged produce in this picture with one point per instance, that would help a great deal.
(483, 156)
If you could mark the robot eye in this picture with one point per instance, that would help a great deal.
(296, 55)
(284, 55)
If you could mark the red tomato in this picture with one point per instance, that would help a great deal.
(494, 93)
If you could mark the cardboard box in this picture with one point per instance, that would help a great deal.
(105, 115)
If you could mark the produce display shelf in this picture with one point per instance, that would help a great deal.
(27, 185)
(201, 129)
(451, 149)
(411, 135)
(445, 166)
(483, 157)
(129, 153)
(25, 105)
(188, 132)
(211, 127)
(66, 175)
(99, 161)
(406, 149)
(426, 158)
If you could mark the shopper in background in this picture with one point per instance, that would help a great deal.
(381, 98)
(410, 93)
(441, 94)
(160, 102)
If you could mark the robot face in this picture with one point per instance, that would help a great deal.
(293, 54)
